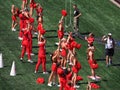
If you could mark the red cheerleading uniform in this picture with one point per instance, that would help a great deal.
(90, 40)
(61, 32)
(22, 24)
(39, 11)
(41, 57)
(62, 77)
(25, 45)
(76, 67)
(63, 52)
(30, 41)
(54, 67)
(69, 76)
(32, 4)
(41, 29)
(14, 18)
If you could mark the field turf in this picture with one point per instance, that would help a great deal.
(98, 16)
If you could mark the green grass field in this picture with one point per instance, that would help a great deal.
(98, 16)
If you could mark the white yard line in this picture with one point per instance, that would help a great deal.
(114, 2)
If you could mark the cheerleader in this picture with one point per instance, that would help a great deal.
(23, 16)
(41, 56)
(60, 30)
(55, 62)
(41, 30)
(90, 39)
(63, 45)
(25, 44)
(93, 64)
(32, 6)
(62, 78)
(31, 29)
(39, 10)
(75, 69)
(14, 12)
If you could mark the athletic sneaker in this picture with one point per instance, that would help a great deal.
(58, 85)
(30, 61)
(35, 71)
(49, 84)
(45, 72)
(57, 43)
(20, 38)
(76, 86)
(32, 54)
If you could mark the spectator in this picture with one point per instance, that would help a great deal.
(109, 48)
(77, 14)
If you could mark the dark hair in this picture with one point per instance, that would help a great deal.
(75, 5)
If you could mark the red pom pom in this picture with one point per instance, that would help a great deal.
(79, 66)
(40, 80)
(73, 43)
(79, 78)
(95, 86)
(94, 66)
(78, 46)
(64, 13)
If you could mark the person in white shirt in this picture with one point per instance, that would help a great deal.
(109, 48)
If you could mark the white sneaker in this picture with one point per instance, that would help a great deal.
(70, 63)
(35, 33)
(30, 61)
(14, 29)
(32, 54)
(45, 72)
(93, 78)
(58, 85)
(49, 84)
(56, 43)
(35, 71)
(20, 38)
(76, 86)
(21, 59)
(64, 67)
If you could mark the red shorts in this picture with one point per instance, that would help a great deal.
(42, 31)
(60, 34)
(63, 53)
(14, 18)
(54, 67)
(33, 5)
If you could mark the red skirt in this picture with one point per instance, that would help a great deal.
(14, 18)
(74, 69)
(54, 67)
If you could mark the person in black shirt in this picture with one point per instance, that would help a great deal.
(77, 14)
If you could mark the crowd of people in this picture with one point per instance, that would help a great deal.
(65, 64)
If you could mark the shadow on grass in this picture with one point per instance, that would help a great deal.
(51, 36)
(116, 64)
(100, 59)
(51, 30)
